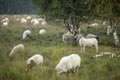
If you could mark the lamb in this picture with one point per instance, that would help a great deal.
(26, 33)
(92, 36)
(68, 63)
(35, 60)
(16, 49)
(42, 31)
(116, 39)
(68, 37)
(88, 42)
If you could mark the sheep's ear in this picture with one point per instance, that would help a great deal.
(32, 62)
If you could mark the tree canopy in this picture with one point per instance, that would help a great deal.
(73, 12)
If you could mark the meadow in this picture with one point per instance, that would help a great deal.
(51, 46)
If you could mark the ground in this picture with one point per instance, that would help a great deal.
(51, 46)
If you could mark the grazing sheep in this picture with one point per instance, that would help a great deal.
(5, 24)
(68, 37)
(18, 48)
(5, 20)
(92, 36)
(35, 21)
(92, 25)
(116, 39)
(68, 63)
(26, 33)
(23, 20)
(88, 42)
(28, 17)
(36, 59)
(42, 31)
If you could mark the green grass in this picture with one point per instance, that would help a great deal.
(52, 48)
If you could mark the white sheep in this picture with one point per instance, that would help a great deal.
(43, 22)
(108, 30)
(23, 20)
(5, 23)
(88, 42)
(68, 63)
(92, 25)
(116, 39)
(5, 20)
(35, 60)
(16, 49)
(68, 37)
(35, 21)
(92, 36)
(42, 31)
(78, 37)
(26, 33)
(28, 17)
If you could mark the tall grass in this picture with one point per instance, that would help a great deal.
(52, 48)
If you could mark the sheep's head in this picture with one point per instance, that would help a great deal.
(30, 65)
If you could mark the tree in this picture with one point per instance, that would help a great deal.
(71, 11)
(105, 9)
(74, 12)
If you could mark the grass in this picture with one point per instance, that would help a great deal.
(52, 48)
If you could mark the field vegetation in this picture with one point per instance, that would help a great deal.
(51, 46)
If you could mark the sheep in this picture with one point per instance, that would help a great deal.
(109, 30)
(5, 24)
(5, 20)
(88, 42)
(23, 20)
(78, 37)
(26, 33)
(92, 36)
(68, 63)
(43, 22)
(42, 31)
(68, 37)
(28, 17)
(35, 21)
(35, 60)
(16, 49)
(116, 39)
(92, 25)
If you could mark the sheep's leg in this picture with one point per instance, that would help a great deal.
(96, 48)
(77, 68)
(41, 65)
(83, 49)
